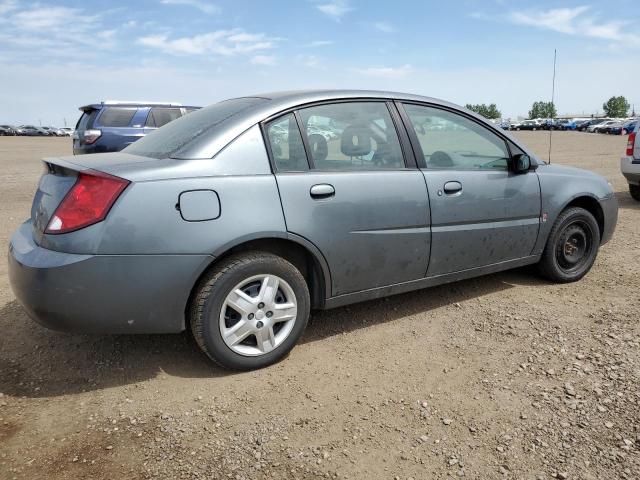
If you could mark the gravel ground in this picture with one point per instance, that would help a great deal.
(505, 376)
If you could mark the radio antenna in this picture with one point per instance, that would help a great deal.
(553, 93)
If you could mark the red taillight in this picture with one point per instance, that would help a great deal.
(88, 202)
(631, 144)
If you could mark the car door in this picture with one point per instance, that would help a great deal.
(482, 213)
(345, 187)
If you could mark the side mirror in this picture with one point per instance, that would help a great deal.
(521, 163)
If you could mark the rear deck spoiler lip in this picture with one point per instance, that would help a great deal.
(64, 162)
(116, 168)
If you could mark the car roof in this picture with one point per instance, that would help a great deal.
(206, 146)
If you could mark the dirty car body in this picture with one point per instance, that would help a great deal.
(365, 194)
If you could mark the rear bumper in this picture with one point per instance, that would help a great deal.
(102, 293)
(630, 168)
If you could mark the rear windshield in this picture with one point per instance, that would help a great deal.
(86, 120)
(117, 116)
(167, 140)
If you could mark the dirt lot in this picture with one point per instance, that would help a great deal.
(502, 376)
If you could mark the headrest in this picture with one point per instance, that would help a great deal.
(440, 159)
(319, 147)
(356, 141)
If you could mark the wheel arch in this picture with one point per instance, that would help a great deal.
(591, 205)
(303, 254)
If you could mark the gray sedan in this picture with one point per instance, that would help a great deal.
(238, 219)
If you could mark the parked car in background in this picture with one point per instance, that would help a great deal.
(8, 130)
(67, 131)
(514, 125)
(111, 126)
(592, 123)
(32, 131)
(529, 125)
(566, 125)
(240, 246)
(610, 127)
(548, 124)
(630, 163)
(581, 125)
(54, 131)
(628, 127)
(600, 127)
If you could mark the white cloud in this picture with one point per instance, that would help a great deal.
(268, 60)
(386, 72)
(310, 61)
(335, 9)
(201, 5)
(384, 27)
(50, 31)
(7, 5)
(318, 43)
(220, 42)
(574, 21)
(52, 18)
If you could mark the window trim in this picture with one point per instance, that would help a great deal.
(267, 143)
(415, 142)
(407, 153)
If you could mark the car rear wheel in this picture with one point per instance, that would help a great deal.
(572, 246)
(250, 310)
(634, 190)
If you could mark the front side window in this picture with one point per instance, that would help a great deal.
(161, 116)
(117, 116)
(286, 144)
(352, 136)
(449, 140)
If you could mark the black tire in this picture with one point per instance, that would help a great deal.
(575, 237)
(210, 296)
(634, 190)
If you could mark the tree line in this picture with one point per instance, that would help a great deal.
(615, 107)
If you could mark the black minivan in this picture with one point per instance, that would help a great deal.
(110, 126)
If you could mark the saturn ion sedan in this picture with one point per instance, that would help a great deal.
(238, 219)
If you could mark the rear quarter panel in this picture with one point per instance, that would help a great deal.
(145, 220)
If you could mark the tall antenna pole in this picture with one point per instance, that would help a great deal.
(553, 94)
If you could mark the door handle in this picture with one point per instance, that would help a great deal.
(322, 190)
(452, 187)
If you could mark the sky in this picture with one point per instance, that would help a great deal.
(57, 55)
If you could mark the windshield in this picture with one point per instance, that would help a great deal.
(170, 138)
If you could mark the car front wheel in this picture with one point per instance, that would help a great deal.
(250, 310)
(634, 190)
(572, 246)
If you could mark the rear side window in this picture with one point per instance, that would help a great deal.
(117, 116)
(161, 116)
(286, 145)
(352, 136)
(174, 136)
(86, 120)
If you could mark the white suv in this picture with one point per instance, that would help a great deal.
(630, 164)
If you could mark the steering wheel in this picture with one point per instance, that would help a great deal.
(498, 162)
